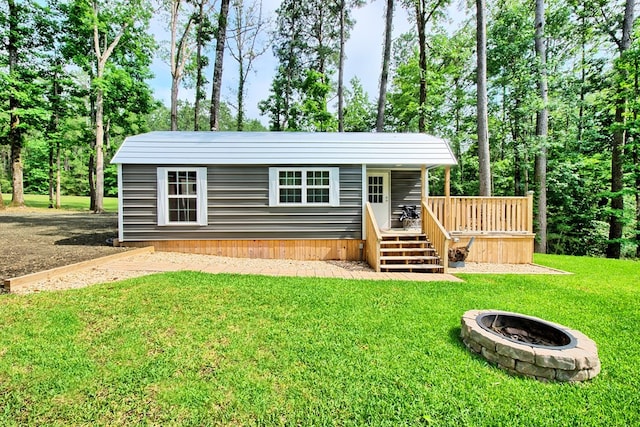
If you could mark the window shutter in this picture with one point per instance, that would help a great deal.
(163, 212)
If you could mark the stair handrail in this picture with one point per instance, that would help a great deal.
(373, 239)
(436, 233)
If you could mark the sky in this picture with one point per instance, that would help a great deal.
(363, 59)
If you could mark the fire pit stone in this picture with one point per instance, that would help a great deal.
(529, 346)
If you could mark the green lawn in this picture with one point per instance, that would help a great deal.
(73, 203)
(198, 349)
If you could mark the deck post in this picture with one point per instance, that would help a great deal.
(530, 211)
(423, 181)
(447, 197)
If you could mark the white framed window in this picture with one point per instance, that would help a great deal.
(304, 186)
(182, 196)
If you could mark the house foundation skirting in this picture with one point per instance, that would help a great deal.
(304, 250)
(497, 247)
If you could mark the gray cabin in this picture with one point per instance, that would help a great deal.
(269, 194)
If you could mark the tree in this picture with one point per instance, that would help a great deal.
(359, 112)
(245, 46)
(616, 224)
(424, 12)
(345, 24)
(117, 31)
(181, 48)
(542, 130)
(205, 32)
(221, 38)
(384, 73)
(307, 46)
(484, 159)
(25, 40)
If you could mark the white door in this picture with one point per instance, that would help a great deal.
(378, 185)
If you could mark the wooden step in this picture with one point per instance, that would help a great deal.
(411, 267)
(401, 235)
(407, 250)
(409, 258)
(403, 242)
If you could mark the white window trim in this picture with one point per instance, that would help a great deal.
(334, 186)
(163, 196)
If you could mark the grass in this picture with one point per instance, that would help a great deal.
(197, 349)
(72, 203)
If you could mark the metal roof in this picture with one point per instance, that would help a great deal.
(284, 148)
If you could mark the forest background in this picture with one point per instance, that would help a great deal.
(549, 88)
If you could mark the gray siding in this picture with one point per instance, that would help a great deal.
(238, 208)
(405, 190)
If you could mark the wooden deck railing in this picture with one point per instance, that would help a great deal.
(484, 214)
(436, 233)
(374, 237)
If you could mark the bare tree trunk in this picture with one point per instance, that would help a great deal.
(57, 205)
(174, 104)
(341, 67)
(180, 52)
(221, 38)
(583, 76)
(51, 174)
(386, 58)
(636, 163)
(241, 80)
(101, 59)
(99, 151)
(15, 132)
(482, 102)
(199, 66)
(542, 130)
(2, 207)
(422, 41)
(92, 179)
(614, 248)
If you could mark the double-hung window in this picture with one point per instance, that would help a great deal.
(182, 196)
(304, 186)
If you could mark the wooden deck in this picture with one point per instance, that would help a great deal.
(502, 228)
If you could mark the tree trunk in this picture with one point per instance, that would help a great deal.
(99, 207)
(51, 175)
(614, 248)
(199, 66)
(241, 80)
(422, 41)
(341, 68)
(542, 130)
(482, 114)
(57, 174)
(92, 180)
(1, 200)
(174, 104)
(386, 58)
(15, 132)
(221, 37)
(636, 164)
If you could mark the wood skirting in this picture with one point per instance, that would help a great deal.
(497, 248)
(304, 250)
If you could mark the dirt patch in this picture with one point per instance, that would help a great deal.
(35, 240)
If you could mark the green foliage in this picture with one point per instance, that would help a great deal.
(194, 348)
(359, 111)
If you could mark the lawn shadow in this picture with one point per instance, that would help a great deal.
(454, 335)
(89, 239)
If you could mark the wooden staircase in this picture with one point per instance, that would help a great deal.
(408, 252)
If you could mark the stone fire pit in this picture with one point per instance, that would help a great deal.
(529, 346)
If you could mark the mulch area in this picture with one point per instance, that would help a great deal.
(33, 240)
